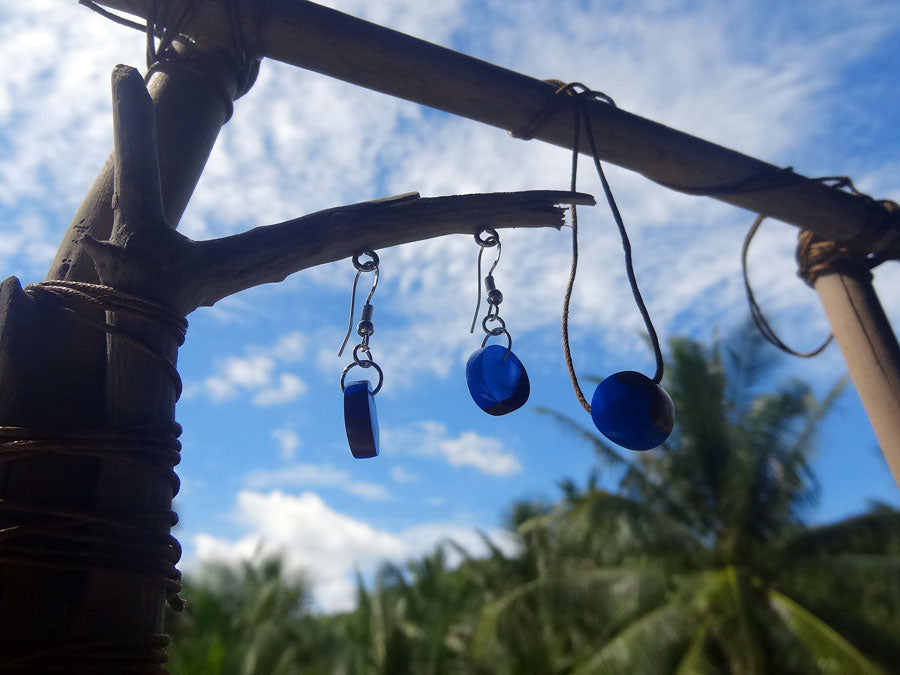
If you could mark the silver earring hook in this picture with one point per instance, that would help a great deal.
(492, 239)
(369, 266)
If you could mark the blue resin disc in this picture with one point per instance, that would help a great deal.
(632, 410)
(497, 380)
(360, 419)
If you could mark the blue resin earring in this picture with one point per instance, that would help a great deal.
(360, 418)
(496, 378)
(628, 407)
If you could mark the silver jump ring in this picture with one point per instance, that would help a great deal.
(493, 318)
(502, 331)
(492, 238)
(368, 352)
(365, 363)
(367, 266)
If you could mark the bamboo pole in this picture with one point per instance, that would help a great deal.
(871, 352)
(317, 38)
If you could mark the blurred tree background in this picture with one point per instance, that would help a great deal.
(699, 562)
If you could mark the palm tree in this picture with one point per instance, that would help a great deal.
(249, 619)
(700, 561)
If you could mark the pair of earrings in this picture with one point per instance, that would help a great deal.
(496, 378)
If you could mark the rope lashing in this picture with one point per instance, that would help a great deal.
(131, 541)
(165, 24)
(75, 296)
(124, 540)
(817, 257)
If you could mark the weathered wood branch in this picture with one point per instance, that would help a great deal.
(269, 254)
(190, 111)
(181, 274)
(145, 257)
(310, 36)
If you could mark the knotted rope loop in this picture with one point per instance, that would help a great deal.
(756, 313)
(563, 96)
(817, 257)
(165, 23)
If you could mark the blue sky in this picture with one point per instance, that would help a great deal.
(266, 467)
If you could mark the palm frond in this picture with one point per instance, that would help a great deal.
(749, 359)
(833, 654)
(695, 660)
(651, 644)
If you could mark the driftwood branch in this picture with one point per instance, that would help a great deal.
(144, 256)
(269, 254)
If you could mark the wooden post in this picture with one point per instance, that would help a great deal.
(54, 375)
(871, 352)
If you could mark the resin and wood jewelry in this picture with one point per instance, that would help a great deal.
(360, 417)
(495, 376)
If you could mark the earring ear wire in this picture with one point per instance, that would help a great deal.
(360, 417)
(496, 378)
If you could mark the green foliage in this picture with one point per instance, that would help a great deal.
(698, 563)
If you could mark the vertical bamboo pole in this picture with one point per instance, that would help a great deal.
(871, 352)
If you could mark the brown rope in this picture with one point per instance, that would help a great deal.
(135, 541)
(756, 312)
(74, 296)
(144, 654)
(578, 95)
(125, 541)
(816, 257)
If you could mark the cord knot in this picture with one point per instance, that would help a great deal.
(817, 257)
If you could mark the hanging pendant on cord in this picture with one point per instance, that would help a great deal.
(629, 408)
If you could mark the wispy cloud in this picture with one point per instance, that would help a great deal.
(401, 474)
(256, 373)
(467, 450)
(288, 441)
(315, 475)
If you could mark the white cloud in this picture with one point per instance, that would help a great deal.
(255, 373)
(319, 475)
(430, 439)
(401, 474)
(288, 388)
(288, 441)
(330, 545)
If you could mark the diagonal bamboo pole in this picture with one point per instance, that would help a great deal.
(317, 38)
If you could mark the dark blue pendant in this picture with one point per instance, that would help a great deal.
(497, 380)
(360, 419)
(633, 411)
